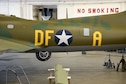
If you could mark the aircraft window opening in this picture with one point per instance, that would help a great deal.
(10, 26)
(86, 31)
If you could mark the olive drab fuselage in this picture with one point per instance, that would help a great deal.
(87, 31)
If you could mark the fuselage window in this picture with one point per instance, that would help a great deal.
(10, 26)
(86, 31)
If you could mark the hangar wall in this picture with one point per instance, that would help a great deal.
(26, 11)
(9, 7)
(21, 8)
(79, 10)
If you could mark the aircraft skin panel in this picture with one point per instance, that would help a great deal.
(88, 31)
(18, 46)
(82, 48)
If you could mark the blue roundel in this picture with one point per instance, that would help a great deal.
(63, 38)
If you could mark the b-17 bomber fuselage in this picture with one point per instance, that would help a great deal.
(104, 32)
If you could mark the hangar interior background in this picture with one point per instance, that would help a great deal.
(85, 69)
(31, 9)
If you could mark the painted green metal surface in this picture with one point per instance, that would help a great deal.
(60, 75)
(22, 36)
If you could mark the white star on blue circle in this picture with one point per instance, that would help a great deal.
(63, 38)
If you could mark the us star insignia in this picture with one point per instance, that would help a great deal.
(63, 38)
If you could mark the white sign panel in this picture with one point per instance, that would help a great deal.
(93, 9)
(4, 7)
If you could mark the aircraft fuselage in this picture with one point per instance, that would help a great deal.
(88, 33)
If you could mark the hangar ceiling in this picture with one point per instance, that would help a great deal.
(60, 0)
(55, 2)
(64, 1)
(74, 0)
